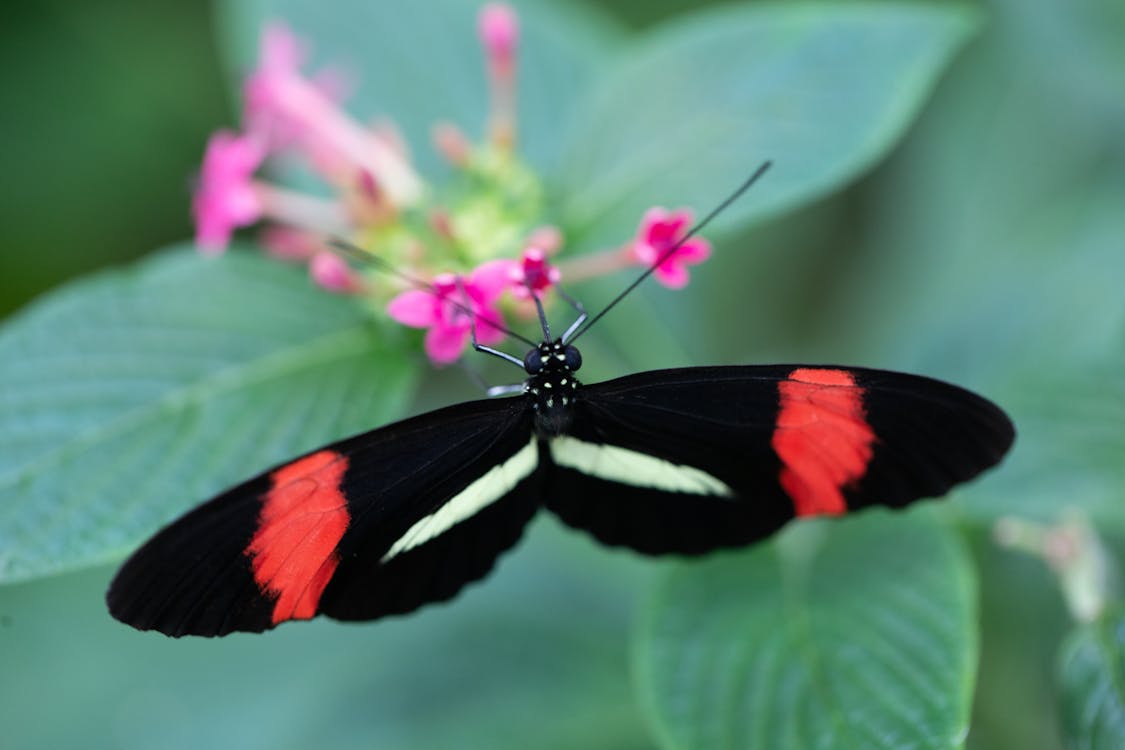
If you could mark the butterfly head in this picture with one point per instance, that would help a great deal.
(551, 384)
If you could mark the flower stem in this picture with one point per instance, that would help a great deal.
(594, 264)
(301, 209)
(315, 111)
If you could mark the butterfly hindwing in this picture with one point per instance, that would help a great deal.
(685, 461)
(377, 524)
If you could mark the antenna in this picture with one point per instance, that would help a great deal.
(359, 254)
(671, 251)
(542, 314)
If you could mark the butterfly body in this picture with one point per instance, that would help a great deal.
(551, 386)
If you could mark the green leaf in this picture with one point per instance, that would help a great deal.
(531, 657)
(1022, 622)
(420, 63)
(1000, 227)
(823, 89)
(132, 395)
(1068, 458)
(850, 633)
(1092, 685)
(992, 257)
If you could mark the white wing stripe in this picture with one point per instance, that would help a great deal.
(622, 465)
(482, 492)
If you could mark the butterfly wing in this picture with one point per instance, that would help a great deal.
(686, 461)
(377, 524)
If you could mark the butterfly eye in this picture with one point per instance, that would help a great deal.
(573, 358)
(533, 362)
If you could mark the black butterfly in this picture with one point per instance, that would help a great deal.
(677, 461)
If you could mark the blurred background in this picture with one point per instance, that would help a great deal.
(1015, 168)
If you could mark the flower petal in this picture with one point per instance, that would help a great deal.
(672, 275)
(280, 49)
(444, 344)
(694, 251)
(225, 198)
(490, 279)
(662, 228)
(330, 272)
(643, 253)
(487, 333)
(499, 33)
(413, 308)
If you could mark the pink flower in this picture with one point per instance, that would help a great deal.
(287, 243)
(547, 238)
(660, 229)
(443, 311)
(499, 33)
(452, 144)
(532, 273)
(330, 272)
(225, 198)
(280, 54)
(284, 107)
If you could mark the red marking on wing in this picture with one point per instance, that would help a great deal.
(304, 515)
(822, 438)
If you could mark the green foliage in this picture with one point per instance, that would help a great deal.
(421, 64)
(1092, 684)
(823, 88)
(159, 439)
(859, 633)
(507, 666)
(987, 250)
(129, 396)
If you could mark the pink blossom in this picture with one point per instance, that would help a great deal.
(443, 310)
(284, 107)
(280, 55)
(547, 238)
(532, 273)
(451, 143)
(225, 198)
(499, 33)
(287, 243)
(330, 272)
(660, 229)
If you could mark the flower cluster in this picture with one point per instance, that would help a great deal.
(480, 244)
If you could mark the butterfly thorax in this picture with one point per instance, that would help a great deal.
(552, 386)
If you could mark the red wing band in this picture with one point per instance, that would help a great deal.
(822, 438)
(304, 515)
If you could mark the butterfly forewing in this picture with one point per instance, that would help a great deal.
(929, 436)
(377, 524)
(685, 461)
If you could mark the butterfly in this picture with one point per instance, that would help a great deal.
(667, 462)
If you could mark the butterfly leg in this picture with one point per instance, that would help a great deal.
(505, 390)
(477, 346)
